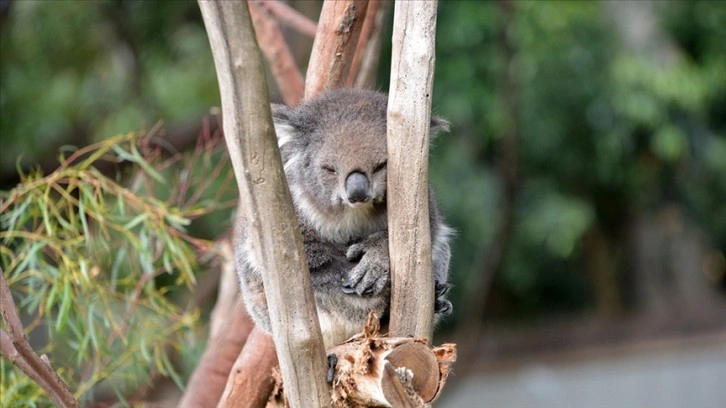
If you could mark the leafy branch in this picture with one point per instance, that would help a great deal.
(102, 262)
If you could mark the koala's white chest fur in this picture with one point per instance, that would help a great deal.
(341, 227)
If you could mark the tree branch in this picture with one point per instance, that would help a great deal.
(290, 17)
(335, 42)
(282, 63)
(230, 326)
(409, 118)
(251, 380)
(364, 66)
(266, 201)
(15, 347)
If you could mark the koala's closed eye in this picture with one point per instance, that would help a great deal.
(380, 167)
(329, 169)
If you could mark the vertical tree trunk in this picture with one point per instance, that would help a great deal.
(409, 118)
(266, 201)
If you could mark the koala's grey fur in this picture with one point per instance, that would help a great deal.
(334, 154)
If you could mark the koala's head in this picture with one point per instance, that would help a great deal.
(334, 153)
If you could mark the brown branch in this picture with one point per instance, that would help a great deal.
(207, 383)
(409, 119)
(289, 17)
(251, 380)
(7, 349)
(15, 347)
(364, 66)
(335, 42)
(277, 52)
(266, 202)
(230, 326)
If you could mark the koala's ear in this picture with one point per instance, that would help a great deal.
(438, 125)
(282, 119)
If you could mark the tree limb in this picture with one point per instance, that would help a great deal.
(335, 42)
(251, 380)
(15, 347)
(230, 326)
(409, 118)
(364, 66)
(290, 17)
(266, 201)
(277, 52)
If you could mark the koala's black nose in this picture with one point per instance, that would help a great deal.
(356, 187)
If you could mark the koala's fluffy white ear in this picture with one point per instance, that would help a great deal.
(438, 125)
(284, 130)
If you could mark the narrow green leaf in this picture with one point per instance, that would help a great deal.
(135, 221)
(145, 165)
(171, 371)
(64, 308)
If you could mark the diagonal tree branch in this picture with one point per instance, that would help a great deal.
(368, 52)
(255, 362)
(277, 52)
(335, 42)
(290, 17)
(230, 326)
(266, 201)
(15, 347)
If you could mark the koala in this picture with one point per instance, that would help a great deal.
(334, 154)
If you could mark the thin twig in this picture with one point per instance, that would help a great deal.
(289, 17)
(364, 66)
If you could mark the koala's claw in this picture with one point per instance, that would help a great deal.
(366, 278)
(440, 289)
(442, 307)
(370, 276)
(349, 285)
(332, 362)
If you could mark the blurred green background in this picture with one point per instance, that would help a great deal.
(585, 173)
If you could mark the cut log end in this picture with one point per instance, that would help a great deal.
(421, 363)
(370, 370)
(374, 371)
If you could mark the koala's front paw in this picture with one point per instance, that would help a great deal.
(442, 306)
(441, 289)
(372, 273)
(332, 363)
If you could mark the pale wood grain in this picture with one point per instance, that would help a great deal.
(409, 117)
(266, 201)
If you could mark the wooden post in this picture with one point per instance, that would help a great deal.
(266, 201)
(409, 118)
